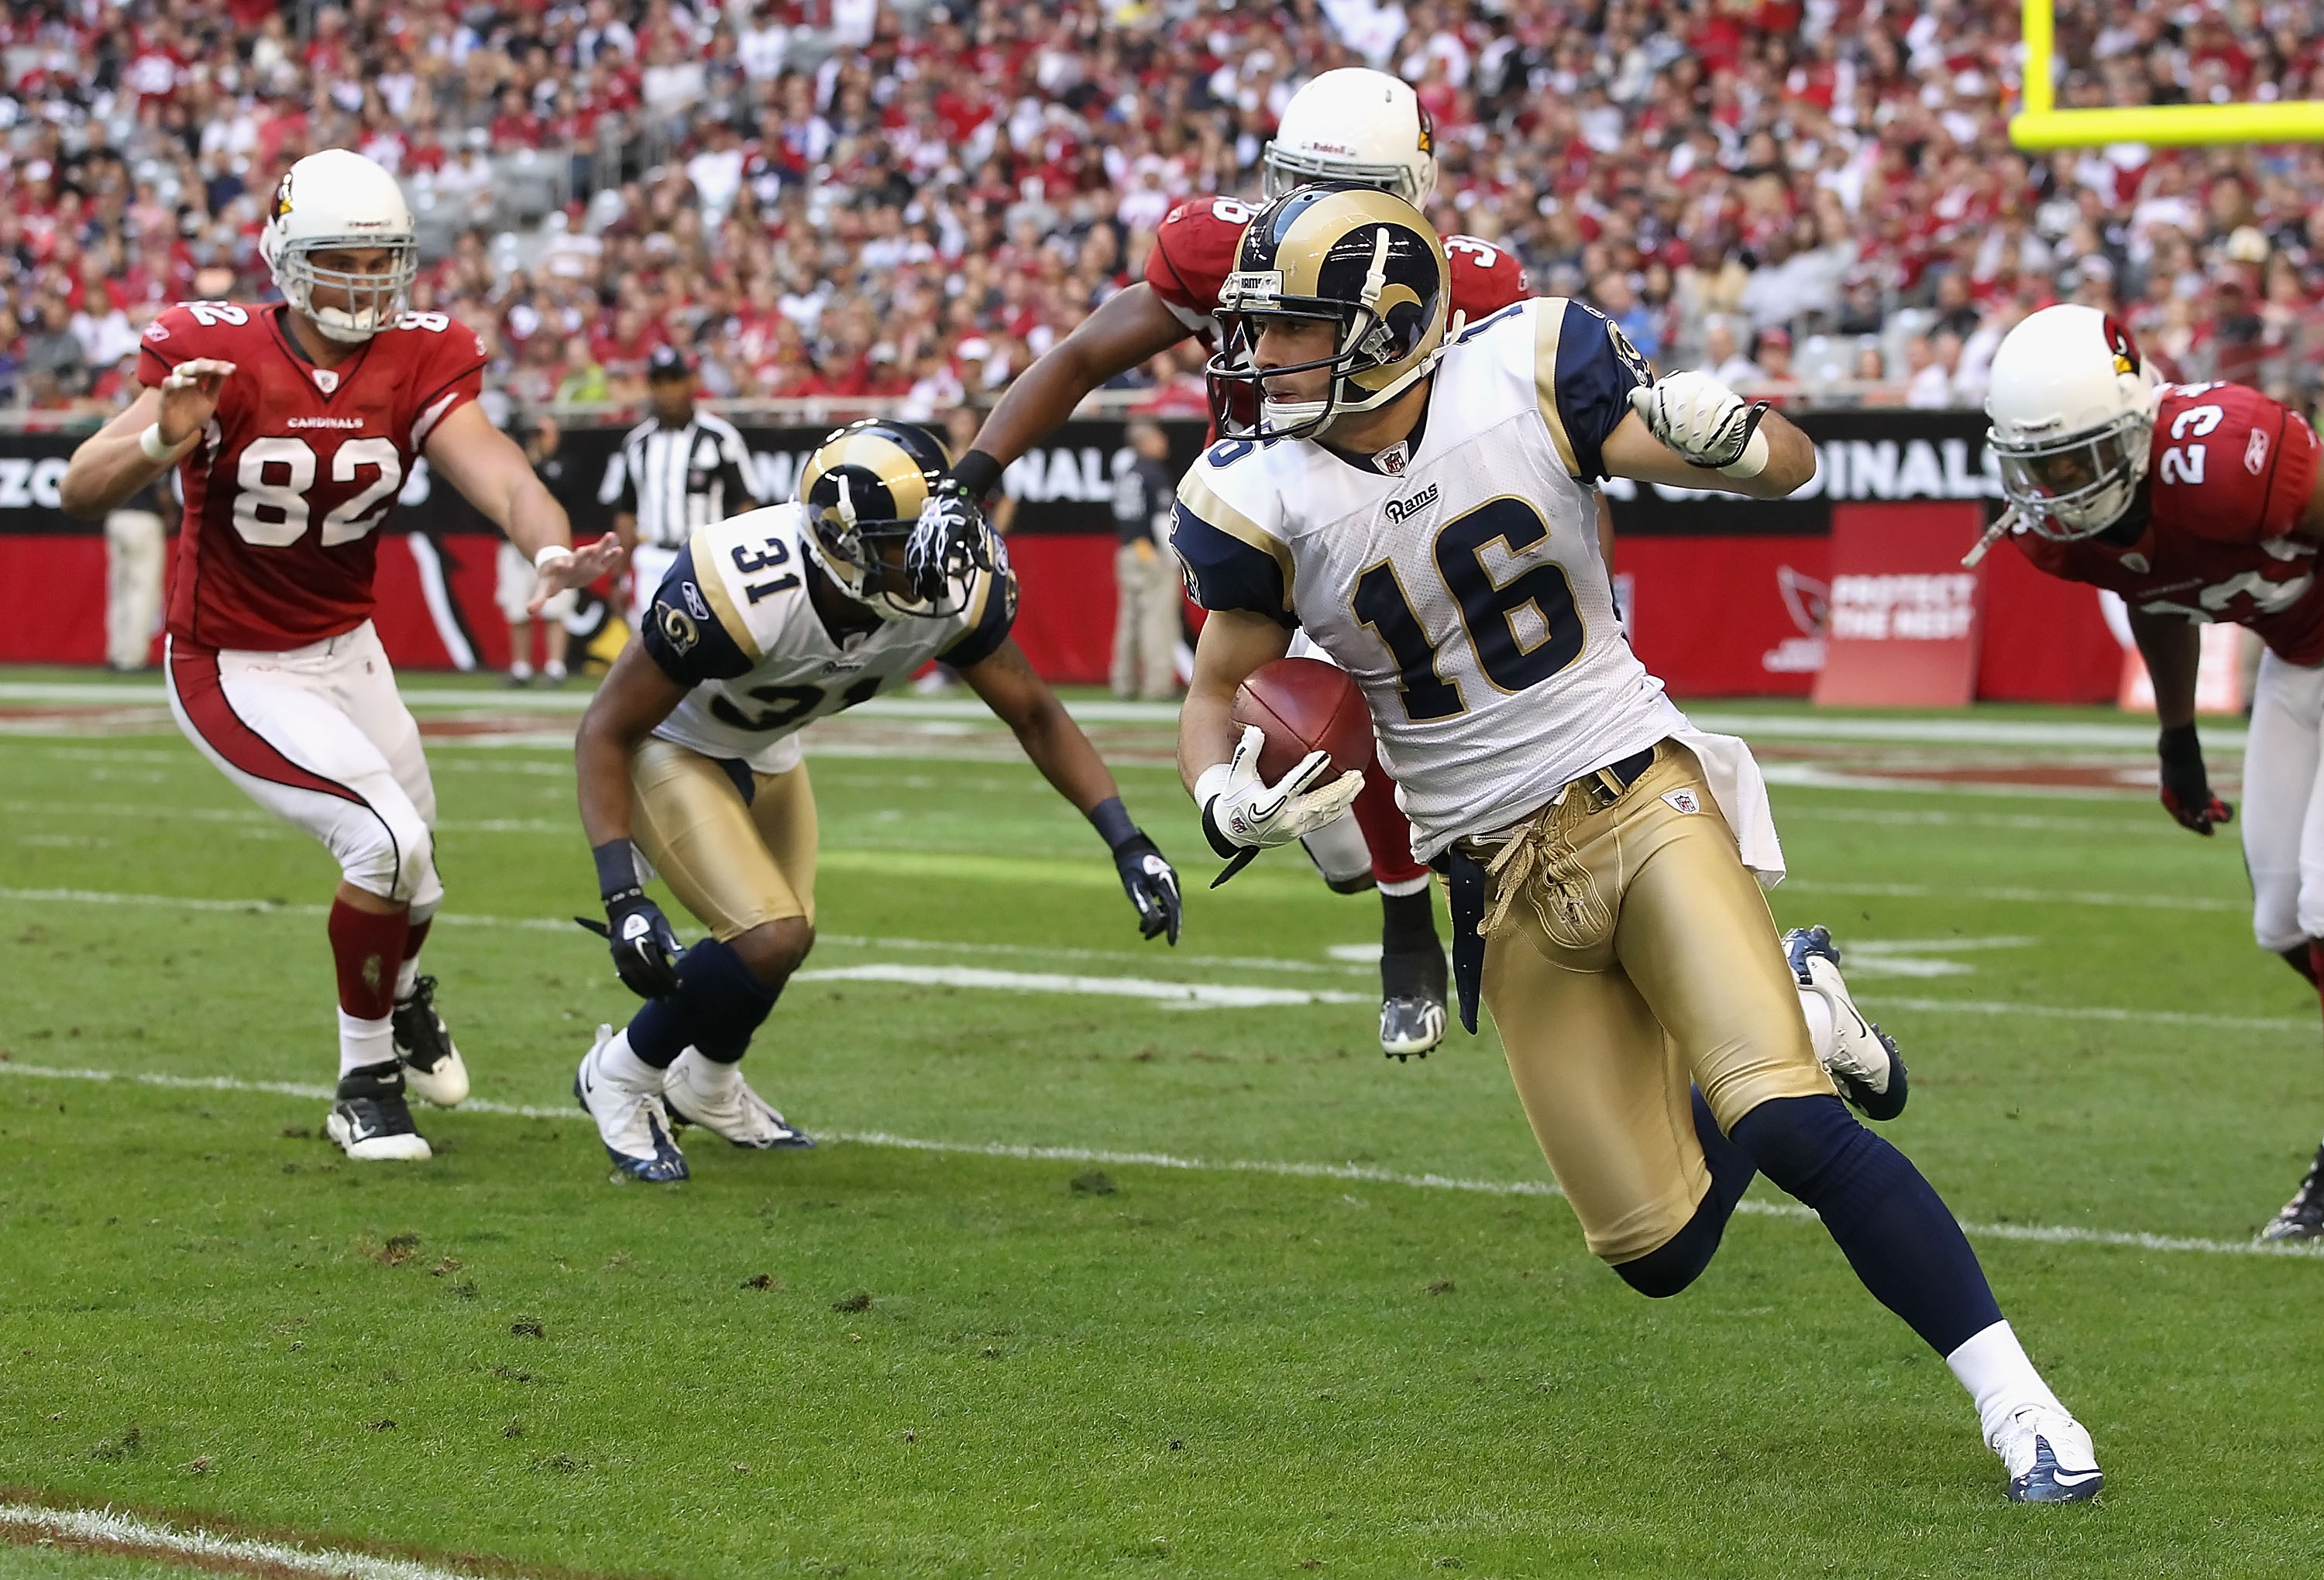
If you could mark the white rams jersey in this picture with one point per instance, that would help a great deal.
(732, 621)
(1456, 577)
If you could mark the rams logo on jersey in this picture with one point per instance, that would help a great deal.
(678, 628)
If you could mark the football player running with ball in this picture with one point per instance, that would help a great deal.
(1601, 853)
(690, 764)
(294, 428)
(2195, 503)
(1355, 126)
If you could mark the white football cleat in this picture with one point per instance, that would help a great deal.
(1863, 1062)
(432, 1069)
(702, 1091)
(2048, 1455)
(630, 1119)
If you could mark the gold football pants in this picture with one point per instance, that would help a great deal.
(735, 866)
(1627, 952)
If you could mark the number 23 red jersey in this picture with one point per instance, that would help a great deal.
(299, 467)
(1193, 253)
(2230, 473)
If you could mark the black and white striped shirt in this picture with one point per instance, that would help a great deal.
(674, 480)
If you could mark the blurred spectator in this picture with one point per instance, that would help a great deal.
(1723, 361)
(1932, 361)
(843, 198)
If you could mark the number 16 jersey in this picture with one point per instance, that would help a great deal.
(1455, 576)
(299, 467)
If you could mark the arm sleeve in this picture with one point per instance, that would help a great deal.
(685, 635)
(1228, 560)
(995, 612)
(450, 374)
(165, 345)
(1192, 252)
(2258, 466)
(1584, 369)
(1486, 277)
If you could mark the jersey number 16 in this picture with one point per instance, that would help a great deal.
(1487, 611)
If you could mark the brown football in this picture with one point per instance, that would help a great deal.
(1304, 705)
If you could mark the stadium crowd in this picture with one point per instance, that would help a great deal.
(851, 199)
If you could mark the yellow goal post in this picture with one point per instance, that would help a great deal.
(2039, 124)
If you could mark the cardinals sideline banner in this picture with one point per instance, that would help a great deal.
(1724, 595)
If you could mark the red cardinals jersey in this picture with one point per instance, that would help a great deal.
(2230, 473)
(299, 467)
(1193, 253)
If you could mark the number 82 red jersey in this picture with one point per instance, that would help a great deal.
(298, 468)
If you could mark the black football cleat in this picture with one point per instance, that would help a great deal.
(1412, 1002)
(371, 1121)
(2302, 1217)
(423, 1046)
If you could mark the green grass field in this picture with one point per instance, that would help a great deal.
(1096, 1319)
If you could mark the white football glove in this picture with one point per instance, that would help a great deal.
(1704, 421)
(1246, 812)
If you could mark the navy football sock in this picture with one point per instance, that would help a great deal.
(1680, 1260)
(1888, 1221)
(726, 997)
(719, 1003)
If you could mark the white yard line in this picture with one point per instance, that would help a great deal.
(1361, 1174)
(2033, 896)
(1182, 995)
(1203, 994)
(128, 1535)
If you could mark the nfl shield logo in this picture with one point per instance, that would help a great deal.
(1683, 801)
(325, 379)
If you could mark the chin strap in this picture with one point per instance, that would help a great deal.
(2003, 524)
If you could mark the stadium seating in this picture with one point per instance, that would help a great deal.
(847, 197)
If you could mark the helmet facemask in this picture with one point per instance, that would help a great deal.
(374, 300)
(2076, 486)
(1283, 171)
(854, 551)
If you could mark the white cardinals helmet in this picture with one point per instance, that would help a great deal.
(336, 201)
(2072, 409)
(1354, 124)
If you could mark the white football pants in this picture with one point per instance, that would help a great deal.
(649, 564)
(318, 735)
(2283, 813)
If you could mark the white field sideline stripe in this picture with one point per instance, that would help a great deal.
(2089, 1012)
(1191, 994)
(1359, 1173)
(130, 1536)
(824, 940)
(1921, 891)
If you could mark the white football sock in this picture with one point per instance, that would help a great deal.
(620, 1064)
(520, 670)
(407, 979)
(364, 1042)
(709, 1077)
(1993, 1367)
(1823, 1036)
(553, 669)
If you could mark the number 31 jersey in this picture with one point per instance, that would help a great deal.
(1456, 576)
(299, 467)
(732, 621)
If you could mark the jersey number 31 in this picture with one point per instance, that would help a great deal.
(1489, 610)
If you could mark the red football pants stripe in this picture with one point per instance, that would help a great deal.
(201, 690)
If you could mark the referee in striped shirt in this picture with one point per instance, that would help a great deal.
(677, 470)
